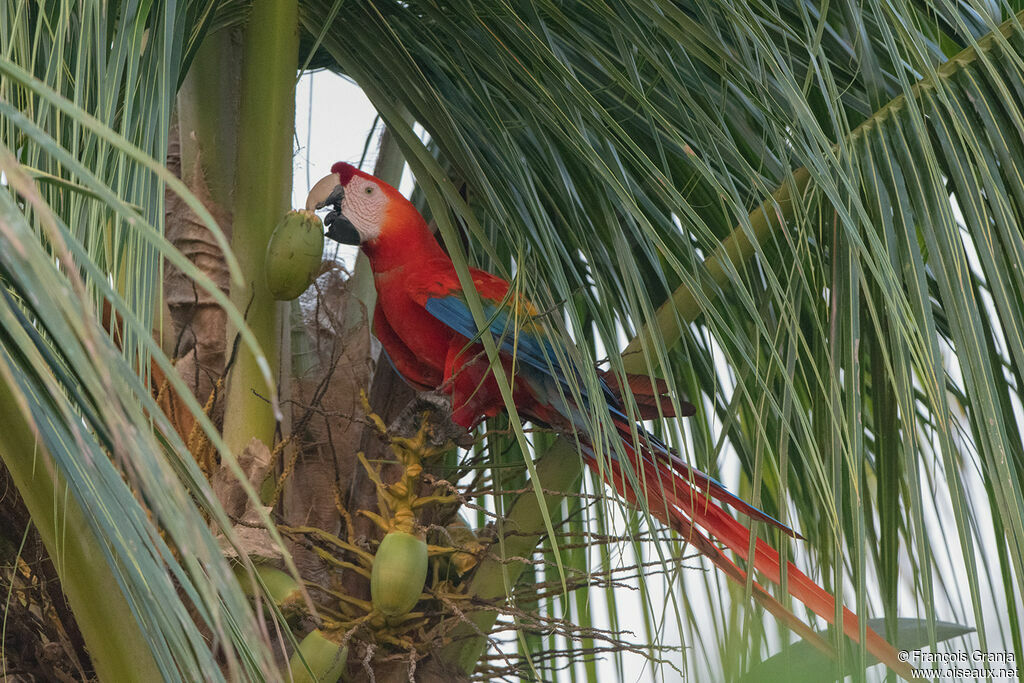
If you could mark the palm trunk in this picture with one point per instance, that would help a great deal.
(261, 197)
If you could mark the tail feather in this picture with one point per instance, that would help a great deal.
(651, 396)
(766, 560)
(682, 497)
(654, 451)
(674, 501)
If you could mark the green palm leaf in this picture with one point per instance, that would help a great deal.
(805, 217)
(90, 121)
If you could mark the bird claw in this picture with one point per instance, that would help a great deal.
(433, 409)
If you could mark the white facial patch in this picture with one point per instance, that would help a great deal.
(364, 206)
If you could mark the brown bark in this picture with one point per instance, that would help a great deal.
(332, 364)
(198, 323)
(201, 151)
(42, 640)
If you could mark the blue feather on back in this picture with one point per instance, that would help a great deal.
(536, 352)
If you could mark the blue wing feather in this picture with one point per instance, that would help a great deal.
(536, 352)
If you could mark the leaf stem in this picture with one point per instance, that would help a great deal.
(494, 578)
(116, 644)
(261, 198)
(685, 305)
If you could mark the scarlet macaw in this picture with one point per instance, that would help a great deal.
(423, 322)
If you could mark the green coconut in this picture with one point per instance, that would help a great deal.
(294, 254)
(399, 572)
(318, 659)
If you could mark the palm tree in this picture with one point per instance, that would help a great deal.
(806, 218)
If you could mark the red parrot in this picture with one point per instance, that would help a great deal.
(424, 324)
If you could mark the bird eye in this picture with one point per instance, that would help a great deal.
(369, 190)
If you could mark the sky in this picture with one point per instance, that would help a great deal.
(333, 129)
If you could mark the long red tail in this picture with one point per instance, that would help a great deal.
(683, 498)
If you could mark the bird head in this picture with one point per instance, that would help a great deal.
(360, 204)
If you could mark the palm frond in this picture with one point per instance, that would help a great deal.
(86, 94)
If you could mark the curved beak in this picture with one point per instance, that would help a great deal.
(328, 192)
(324, 192)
